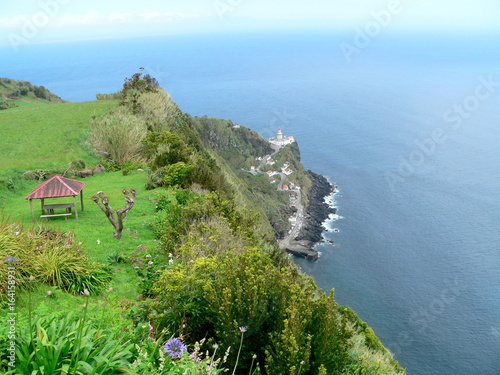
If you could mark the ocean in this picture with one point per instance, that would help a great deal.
(407, 127)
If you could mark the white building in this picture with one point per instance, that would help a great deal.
(281, 140)
(271, 173)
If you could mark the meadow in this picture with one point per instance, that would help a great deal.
(47, 135)
(38, 135)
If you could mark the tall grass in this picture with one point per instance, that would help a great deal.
(49, 257)
(119, 133)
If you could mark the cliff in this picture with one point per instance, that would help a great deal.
(317, 210)
(211, 270)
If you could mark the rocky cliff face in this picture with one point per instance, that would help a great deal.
(317, 210)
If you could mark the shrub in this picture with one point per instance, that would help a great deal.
(159, 110)
(136, 86)
(129, 166)
(112, 96)
(50, 257)
(178, 174)
(120, 134)
(55, 345)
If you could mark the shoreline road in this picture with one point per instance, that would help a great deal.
(295, 200)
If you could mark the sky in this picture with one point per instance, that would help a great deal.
(41, 21)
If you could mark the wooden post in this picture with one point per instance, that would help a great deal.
(32, 212)
(43, 202)
(81, 199)
(76, 207)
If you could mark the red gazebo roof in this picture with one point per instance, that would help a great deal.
(56, 187)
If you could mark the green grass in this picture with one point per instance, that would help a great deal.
(91, 227)
(107, 309)
(93, 224)
(27, 102)
(42, 136)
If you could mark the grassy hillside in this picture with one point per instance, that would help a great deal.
(47, 135)
(196, 260)
(15, 93)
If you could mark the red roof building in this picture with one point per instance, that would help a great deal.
(57, 187)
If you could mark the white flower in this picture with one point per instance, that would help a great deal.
(98, 242)
(150, 262)
(170, 255)
(171, 261)
(148, 256)
(17, 233)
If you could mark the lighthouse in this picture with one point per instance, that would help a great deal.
(281, 140)
(279, 136)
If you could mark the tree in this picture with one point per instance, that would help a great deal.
(135, 86)
(116, 217)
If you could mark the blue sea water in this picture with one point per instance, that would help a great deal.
(417, 252)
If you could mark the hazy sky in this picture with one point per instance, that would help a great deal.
(41, 21)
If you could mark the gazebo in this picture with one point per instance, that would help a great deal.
(57, 187)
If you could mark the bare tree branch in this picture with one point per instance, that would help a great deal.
(116, 217)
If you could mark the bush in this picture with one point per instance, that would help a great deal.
(159, 110)
(178, 174)
(54, 345)
(49, 257)
(213, 296)
(120, 134)
(112, 96)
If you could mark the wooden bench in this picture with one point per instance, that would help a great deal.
(51, 207)
(56, 215)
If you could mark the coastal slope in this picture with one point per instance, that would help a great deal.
(200, 253)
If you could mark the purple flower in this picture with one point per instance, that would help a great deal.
(10, 259)
(243, 329)
(174, 348)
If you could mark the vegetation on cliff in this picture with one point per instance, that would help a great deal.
(15, 93)
(198, 264)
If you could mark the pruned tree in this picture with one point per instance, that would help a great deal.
(116, 217)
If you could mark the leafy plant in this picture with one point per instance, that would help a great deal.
(49, 257)
(59, 344)
(115, 259)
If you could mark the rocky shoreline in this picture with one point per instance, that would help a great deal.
(317, 211)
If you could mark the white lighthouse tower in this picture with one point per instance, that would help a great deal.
(279, 136)
(281, 140)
